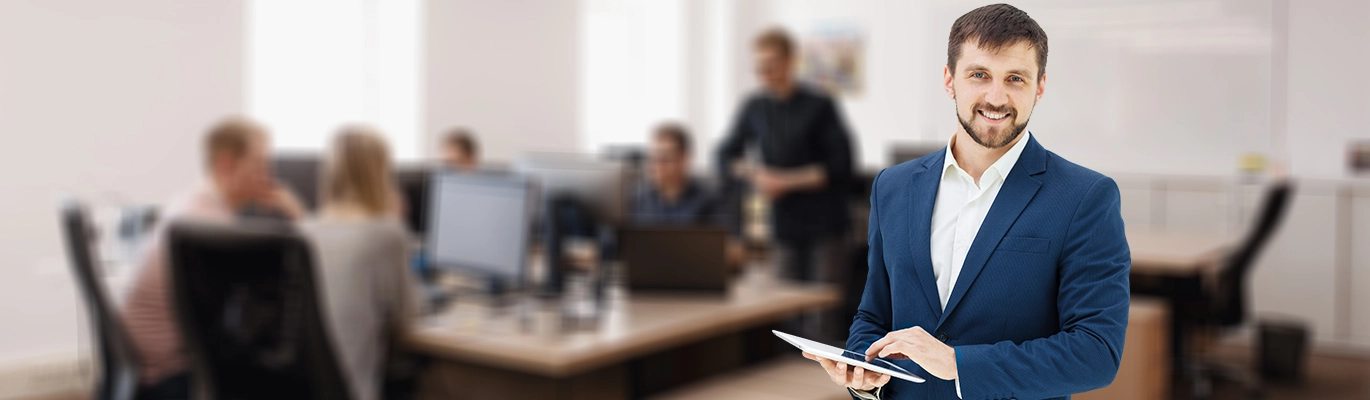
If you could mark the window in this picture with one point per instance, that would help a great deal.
(314, 65)
(633, 70)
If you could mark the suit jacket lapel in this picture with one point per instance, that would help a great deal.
(1019, 188)
(925, 182)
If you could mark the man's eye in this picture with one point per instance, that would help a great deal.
(1015, 79)
(977, 75)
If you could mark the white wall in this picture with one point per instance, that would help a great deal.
(1326, 38)
(508, 70)
(1133, 86)
(1143, 86)
(104, 100)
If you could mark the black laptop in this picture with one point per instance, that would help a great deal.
(676, 258)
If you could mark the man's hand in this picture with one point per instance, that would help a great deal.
(854, 377)
(281, 199)
(771, 184)
(774, 183)
(917, 345)
(742, 169)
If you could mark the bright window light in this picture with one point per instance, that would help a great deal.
(632, 71)
(314, 65)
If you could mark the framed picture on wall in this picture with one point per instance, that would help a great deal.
(1358, 157)
(832, 57)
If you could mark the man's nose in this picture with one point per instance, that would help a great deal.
(997, 96)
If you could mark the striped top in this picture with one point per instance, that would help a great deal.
(147, 305)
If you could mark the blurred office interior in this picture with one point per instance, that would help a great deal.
(1228, 125)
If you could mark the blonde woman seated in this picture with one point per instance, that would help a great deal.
(362, 252)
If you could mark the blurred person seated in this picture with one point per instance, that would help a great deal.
(238, 183)
(460, 151)
(363, 256)
(670, 195)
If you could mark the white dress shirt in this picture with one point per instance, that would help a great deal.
(959, 211)
(957, 214)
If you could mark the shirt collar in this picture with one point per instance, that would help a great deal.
(795, 92)
(686, 193)
(1002, 166)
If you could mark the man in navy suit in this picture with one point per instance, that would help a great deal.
(997, 268)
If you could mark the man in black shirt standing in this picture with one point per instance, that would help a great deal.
(804, 163)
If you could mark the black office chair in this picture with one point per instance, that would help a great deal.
(118, 375)
(249, 313)
(1226, 297)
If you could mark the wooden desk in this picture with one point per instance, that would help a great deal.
(1175, 267)
(1175, 254)
(479, 357)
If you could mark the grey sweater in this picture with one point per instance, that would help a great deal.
(363, 268)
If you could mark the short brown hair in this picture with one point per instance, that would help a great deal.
(462, 138)
(995, 27)
(231, 137)
(676, 133)
(358, 171)
(777, 39)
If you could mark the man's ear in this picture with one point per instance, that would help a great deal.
(947, 79)
(1041, 85)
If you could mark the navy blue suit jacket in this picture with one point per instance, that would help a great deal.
(1040, 308)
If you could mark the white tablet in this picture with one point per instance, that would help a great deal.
(850, 357)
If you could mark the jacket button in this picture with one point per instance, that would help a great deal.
(942, 336)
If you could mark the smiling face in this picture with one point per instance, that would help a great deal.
(994, 91)
(774, 69)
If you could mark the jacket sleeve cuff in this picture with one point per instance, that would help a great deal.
(958, 370)
(864, 395)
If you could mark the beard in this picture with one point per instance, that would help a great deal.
(990, 138)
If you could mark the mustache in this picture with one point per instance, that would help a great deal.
(994, 109)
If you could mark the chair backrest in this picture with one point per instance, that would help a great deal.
(1230, 297)
(119, 375)
(248, 308)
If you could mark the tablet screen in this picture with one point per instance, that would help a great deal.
(856, 358)
(879, 362)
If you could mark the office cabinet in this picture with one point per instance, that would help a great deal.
(1136, 195)
(1249, 198)
(1197, 208)
(1359, 265)
(1317, 266)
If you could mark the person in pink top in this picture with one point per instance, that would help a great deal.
(238, 181)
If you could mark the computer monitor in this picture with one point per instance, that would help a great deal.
(596, 184)
(300, 172)
(413, 183)
(479, 223)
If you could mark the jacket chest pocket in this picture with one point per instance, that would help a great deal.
(1024, 244)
